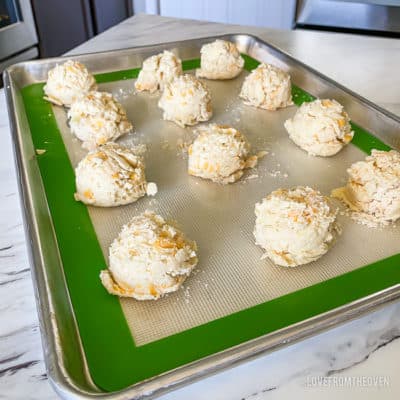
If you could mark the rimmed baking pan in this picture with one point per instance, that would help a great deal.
(234, 306)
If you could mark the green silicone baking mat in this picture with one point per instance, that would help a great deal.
(116, 357)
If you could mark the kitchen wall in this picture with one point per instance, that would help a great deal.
(269, 13)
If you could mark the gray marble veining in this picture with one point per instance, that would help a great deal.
(367, 347)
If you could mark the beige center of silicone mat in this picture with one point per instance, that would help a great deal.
(230, 275)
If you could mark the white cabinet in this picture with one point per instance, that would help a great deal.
(268, 13)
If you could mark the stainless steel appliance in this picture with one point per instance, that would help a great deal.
(376, 17)
(18, 37)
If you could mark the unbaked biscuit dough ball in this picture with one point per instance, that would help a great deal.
(220, 60)
(267, 87)
(373, 188)
(186, 101)
(148, 259)
(295, 226)
(157, 71)
(320, 127)
(97, 118)
(67, 82)
(220, 153)
(111, 175)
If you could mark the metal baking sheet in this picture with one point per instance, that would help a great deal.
(230, 277)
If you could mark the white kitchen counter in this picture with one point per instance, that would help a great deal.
(359, 360)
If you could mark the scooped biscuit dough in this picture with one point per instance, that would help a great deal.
(372, 191)
(320, 127)
(220, 153)
(220, 60)
(157, 71)
(295, 226)
(67, 82)
(97, 118)
(186, 101)
(111, 175)
(267, 87)
(148, 259)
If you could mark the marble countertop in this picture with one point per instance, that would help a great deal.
(358, 360)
